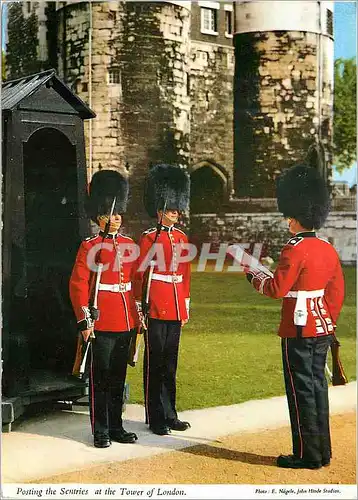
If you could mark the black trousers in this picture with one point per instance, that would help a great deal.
(304, 362)
(108, 369)
(159, 372)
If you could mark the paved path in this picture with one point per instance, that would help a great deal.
(61, 441)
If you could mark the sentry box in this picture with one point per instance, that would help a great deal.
(44, 221)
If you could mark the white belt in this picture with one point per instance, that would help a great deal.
(117, 287)
(168, 278)
(300, 313)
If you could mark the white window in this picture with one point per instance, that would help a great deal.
(114, 86)
(209, 21)
(228, 23)
(114, 76)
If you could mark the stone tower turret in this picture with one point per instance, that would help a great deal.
(130, 62)
(283, 90)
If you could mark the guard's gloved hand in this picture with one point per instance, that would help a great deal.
(249, 273)
(94, 313)
(249, 277)
(87, 322)
(260, 276)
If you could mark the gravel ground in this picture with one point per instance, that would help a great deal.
(244, 458)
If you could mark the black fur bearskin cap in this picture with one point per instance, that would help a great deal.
(166, 186)
(303, 195)
(104, 186)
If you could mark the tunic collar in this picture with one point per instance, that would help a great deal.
(306, 234)
(109, 235)
(166, 228)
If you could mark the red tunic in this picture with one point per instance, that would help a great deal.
(306, 263)
(168, 300)
(117, 310)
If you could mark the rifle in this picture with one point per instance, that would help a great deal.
(337, 376)
(83, 348)
(137, 336)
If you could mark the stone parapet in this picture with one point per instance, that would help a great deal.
(270, 230)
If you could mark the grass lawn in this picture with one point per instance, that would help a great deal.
(230, 351)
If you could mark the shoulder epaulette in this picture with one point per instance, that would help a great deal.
(180, 231)
(295, 240)
(126, 237)
(324, 239)
(91, 237)
(149, 231)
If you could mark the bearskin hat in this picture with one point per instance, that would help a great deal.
(303, 195)
(166, 186)
(104, 187)
(316, 157)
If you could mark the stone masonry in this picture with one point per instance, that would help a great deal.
(165, 91)
(162, 89)
(279, 109)
(270, 230)
(138, 85)
(211, 85)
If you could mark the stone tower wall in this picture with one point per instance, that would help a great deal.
(211, 84)
(138, 84)
(211, 81)
(164, 89)
(153, 52)
(283, 95)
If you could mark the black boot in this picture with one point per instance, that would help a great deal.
(179, 425)
(160, 430)
(292, 462)
(122, 436)
(101, 440)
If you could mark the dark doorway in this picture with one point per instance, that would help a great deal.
(207, 191)
(51, 221)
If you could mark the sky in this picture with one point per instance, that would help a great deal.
(345, 30)
(345, 45)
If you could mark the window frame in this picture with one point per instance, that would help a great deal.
(114, 70)
(330, 22)
(229, 14)
(214, 18)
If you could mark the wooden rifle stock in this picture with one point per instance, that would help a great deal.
(338, 375)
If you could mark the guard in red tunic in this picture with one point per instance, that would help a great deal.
(163, 261)
(309, 279)
(103, 301)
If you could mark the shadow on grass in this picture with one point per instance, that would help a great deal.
(226, 454)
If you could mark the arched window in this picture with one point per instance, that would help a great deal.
(208, 188)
